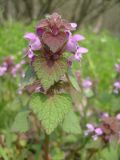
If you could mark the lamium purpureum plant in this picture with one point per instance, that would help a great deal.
(50, 69)
(107, 129)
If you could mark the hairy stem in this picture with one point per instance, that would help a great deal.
(46, 148)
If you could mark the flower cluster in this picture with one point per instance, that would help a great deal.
(52, 38)
(116, 85)
(2, 70)
(94, 131)
(8, 66)
(108, 128)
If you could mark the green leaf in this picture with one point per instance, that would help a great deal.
(88, 93)
(58, 154)
(49, 74)
(94, 145)
(30, 76)
(70, 138)
(73, 80)
(51, 111)
(110, 153)
(71, 123)
(21, 123)
(3, 153)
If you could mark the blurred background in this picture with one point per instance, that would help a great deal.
(98, 13)
(98, 75)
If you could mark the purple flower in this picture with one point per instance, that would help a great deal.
(30, 53)
(18, 68)
(22, 62)
(13, 72)
(95, 137)
(8, 66)
(15, 69)
(3, 69)
(94, 131)
(90, 127)
(79, 53)
(116, 87)
(118, 116)
(53, 33)
(87, 84)
(117, 68)
(98, 131)
(73, 25)
(104, 115)
(72, 46)
(53, 36)
(34, 41)
(72, 43)
(117, 84)
(34, 44)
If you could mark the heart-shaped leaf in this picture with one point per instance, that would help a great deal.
(54, 42)
(51, 111)
(48, 75)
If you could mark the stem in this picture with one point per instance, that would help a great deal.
(46, 147)
(68, 78)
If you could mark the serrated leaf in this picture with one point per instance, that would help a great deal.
(71, 123)
(21, 123)
(73, 80)
(48, 75)
(51, 111)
